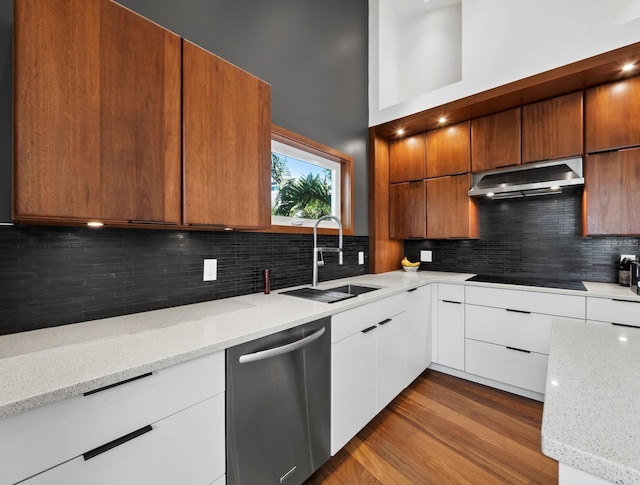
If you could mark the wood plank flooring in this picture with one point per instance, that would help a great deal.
(444, 430)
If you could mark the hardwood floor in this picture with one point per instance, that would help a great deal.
(444, 430)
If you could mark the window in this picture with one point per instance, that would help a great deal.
(308, 180)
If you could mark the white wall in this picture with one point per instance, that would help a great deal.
(420, 48)
(507, 40)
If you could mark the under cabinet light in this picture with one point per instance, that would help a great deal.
(400, 132)
(629, 66)
(95, 224)
(442, 120)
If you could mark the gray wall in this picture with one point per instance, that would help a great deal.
(314, 55)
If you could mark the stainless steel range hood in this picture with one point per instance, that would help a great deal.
(541, 178)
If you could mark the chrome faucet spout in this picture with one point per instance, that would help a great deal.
(317, 250)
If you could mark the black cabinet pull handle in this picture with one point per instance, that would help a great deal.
(454, 302)
(625, 325)
(518, 311)
(88, 393)
(117, 442)
(368, 329)
(624, 301)
(384, 322)
(412, 289)
(519, 350)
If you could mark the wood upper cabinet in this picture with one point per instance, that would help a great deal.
(97, 114)
(407, 159)
(407, 210)
(448, 150)
(495, 140)
(227, 143)
(610, 198)
(552, 129)
(451, 213)
(612, 115)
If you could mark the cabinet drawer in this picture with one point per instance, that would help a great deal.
(352, 321)
(527, 370)
(548, 303)
(613, 311)
(47, 436)
(447, 291)
(527, 331)
(187, 447)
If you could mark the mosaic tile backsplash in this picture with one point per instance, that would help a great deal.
(538, 236)
(53, 276)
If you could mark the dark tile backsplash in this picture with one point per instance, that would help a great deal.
(52, 276)
(537, 236)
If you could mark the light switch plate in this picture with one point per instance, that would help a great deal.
(210, 272)
(426, 256)
(360, 257)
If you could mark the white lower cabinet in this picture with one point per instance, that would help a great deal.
(616, 311)
(58, 436)
(391, 349)
(419, 330)
(368, 364)
(520, 368)
(187, 447)
(508, 333)
(450, 326)
(353, 386)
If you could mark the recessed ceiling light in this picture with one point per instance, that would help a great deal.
(629, 66)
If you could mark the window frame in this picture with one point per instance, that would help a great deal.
(313, 147)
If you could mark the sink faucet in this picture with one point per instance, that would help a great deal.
(318, 251)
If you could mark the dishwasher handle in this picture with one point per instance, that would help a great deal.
(265, 354)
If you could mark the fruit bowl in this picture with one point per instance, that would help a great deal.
(411, 269)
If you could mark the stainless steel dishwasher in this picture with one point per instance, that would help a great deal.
(279, 406)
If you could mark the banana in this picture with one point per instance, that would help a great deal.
(406, 262)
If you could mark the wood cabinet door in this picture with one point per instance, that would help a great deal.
(612, 115)
(407, 159)
(448, 150)
(227, 143)
(97, 114)
(495, 141)
(407, 210)
(611, 188)
(451, 213)
(552, 129)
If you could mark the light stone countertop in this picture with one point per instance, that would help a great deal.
(43, 366)
(591, 418)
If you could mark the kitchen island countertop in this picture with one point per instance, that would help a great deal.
(591, 418)
(51, 364)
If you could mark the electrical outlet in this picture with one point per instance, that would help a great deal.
(210, 272)
(426, 256)
(360, 257)
(632, 257)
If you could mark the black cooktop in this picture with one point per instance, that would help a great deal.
(529, 281)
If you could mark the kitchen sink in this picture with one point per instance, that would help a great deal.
(330, 295)
(354, 289)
